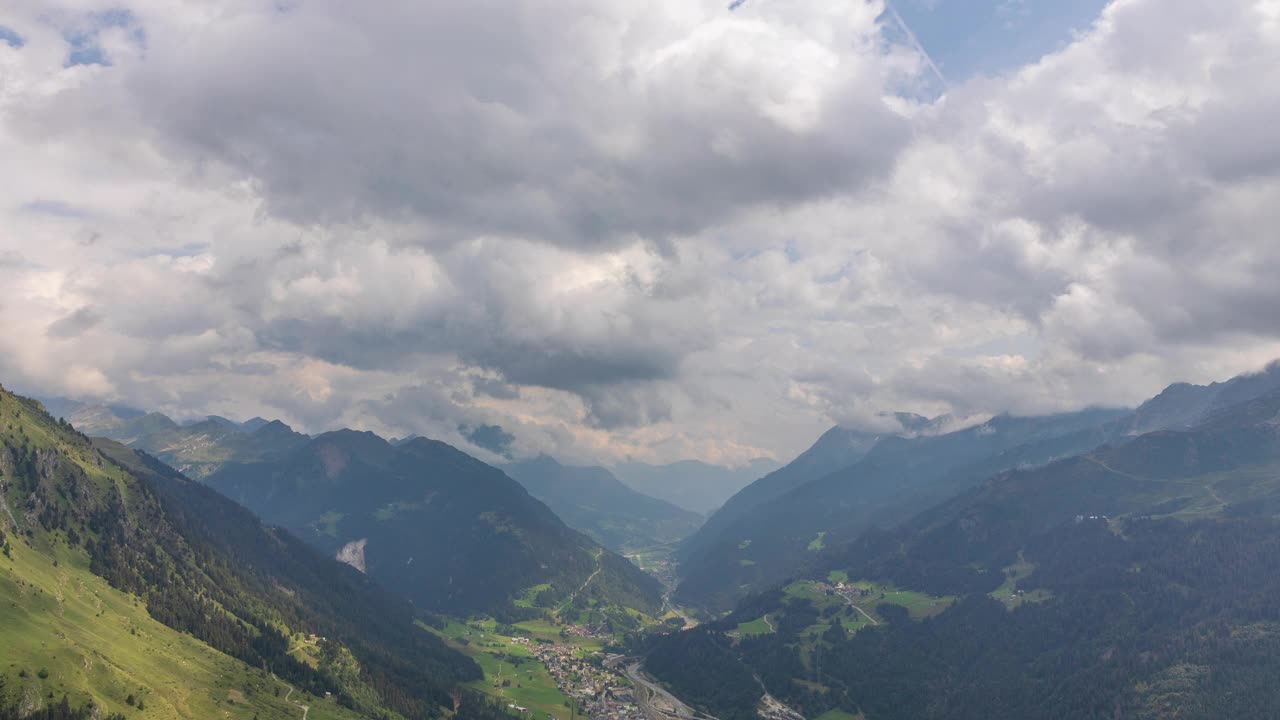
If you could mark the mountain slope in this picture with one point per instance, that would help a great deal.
(691, 484)
(197, 449)
(95, 644)
(838, 447)
(592, 500)
(89, 526)
(425, 519)
(1183, 405)
(1138, 580)
(784, 519)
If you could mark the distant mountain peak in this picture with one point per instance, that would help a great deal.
(1183, 405)
(541, 460)
(218, 419)
(254, 423)
(274, 426)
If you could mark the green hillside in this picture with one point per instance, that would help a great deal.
(448, 531)
(121, 577)
(96, 644)
(1140, 580)
(850, 482)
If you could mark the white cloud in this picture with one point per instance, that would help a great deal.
(651, 229)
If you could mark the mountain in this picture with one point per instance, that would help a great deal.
(1136, 580)
(125, 585)
(592, 500)
(100, 415)
(850, 481)
(425, 519)
(691, 484)
(1183, 405)
(253, 424)
(196, 449)
(836, 448)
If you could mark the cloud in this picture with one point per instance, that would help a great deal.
(574, 123)
(75, 323)
(652, 230)
(490, 437)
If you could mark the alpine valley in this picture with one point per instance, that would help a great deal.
(1103, 563)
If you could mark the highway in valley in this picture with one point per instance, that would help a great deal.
(656, 702)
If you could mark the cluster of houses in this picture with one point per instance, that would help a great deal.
(589, 631)
(848, 591)
(599, 693)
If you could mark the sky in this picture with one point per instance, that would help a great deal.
(651, 230)
(988, 37)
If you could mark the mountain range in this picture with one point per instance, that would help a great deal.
(1135, 579)
(1097, 564)
(425, 519)
(592, 500)
(850, 481)
(389, 508)
(195, 449)
(125, 584)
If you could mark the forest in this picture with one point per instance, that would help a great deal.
(1142, 615)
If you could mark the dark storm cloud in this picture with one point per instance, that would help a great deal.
(497, 389)
(78, 321)
(490, 437)
(506, 126)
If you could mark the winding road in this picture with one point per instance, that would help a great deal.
(582, 587)
(1209, 488)
(305, 708)
(572, 595)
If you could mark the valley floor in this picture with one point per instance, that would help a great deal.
(547, 671)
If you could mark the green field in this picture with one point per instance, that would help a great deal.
(918, 604)
(653, 557)
(386, 513)
(95, 643)
(1008, 593)
(501, 659)
(527, 597)
(817, 544)
(328, 523)
(758, 626)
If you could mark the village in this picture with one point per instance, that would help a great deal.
(595, 691)
(850, 592)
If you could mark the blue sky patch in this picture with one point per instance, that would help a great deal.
(987, 37)
(85, 48)
(10, 37)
